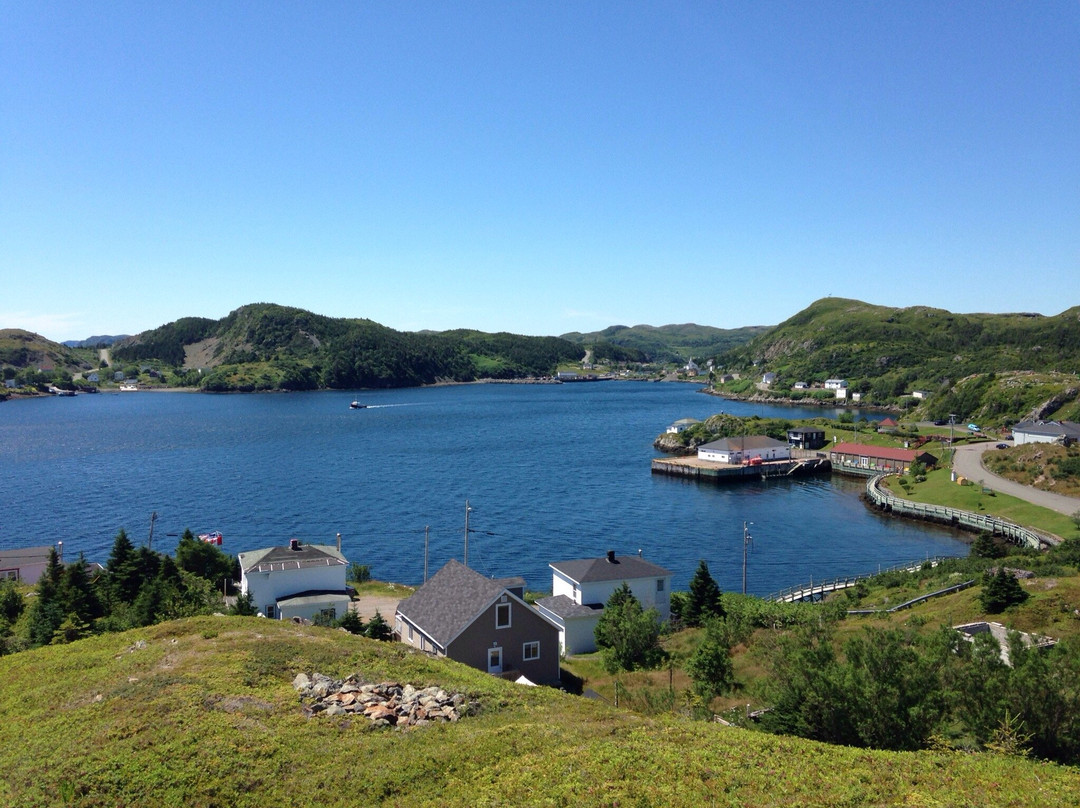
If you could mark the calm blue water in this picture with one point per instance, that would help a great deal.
(551, 471)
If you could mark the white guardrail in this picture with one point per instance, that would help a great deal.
(953, 516)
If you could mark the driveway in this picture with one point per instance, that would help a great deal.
(967, 462)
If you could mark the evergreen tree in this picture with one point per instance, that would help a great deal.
(378, 628)
(123, 576)
(46, 614)
(244, 606)
(203, 559)
(11, 603)
(1001, 591)
(77, 595)
(704, 601)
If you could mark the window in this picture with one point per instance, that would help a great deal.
(530, 651)
(270, 612)
(659, 584)
(502, 615)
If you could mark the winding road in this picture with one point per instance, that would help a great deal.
(967, 462)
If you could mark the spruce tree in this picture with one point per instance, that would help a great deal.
(378, 628)
(704, 601)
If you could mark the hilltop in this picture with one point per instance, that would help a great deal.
(997, 367)
(202, 712)
(664, 344)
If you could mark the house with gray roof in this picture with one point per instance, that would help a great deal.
(301, 580)
(481, 622)
(580, 588)
(741, 449)
(1046, 432)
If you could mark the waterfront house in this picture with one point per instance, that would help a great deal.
(836, 384)
(682, 425)
(922, 395)
(580, 588)
(1046, 432)
(481, 622)
(25, 564)
(887, 425)
(768, 378)
(692, 368)
(743, 449)
(567, 376)
(801, 386)
(725, 378)
(866, 461)
(806, 437)
(301, 580)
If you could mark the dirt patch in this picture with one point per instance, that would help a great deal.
(365, 606)
(201, 354)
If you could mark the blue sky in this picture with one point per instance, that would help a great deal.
(534, 167)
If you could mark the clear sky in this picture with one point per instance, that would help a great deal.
(537, 167)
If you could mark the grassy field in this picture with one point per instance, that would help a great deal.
(938, 489)
(201, 712)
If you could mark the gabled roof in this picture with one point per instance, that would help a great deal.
(620, 568)
(279, 559)
(884, 452)
(452, 599)
(807, 430)
(1050, 428)
(566, 608)
(748, 443)
(25, 555)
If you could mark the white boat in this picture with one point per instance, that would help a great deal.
(356, 405)
(129, 388)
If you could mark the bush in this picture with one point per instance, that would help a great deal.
(1001, 591)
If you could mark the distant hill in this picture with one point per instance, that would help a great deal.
(267, 346)
(21, 349)
(887, 352)
(666, 343)
(94, 342)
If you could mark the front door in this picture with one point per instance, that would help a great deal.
(494, 660)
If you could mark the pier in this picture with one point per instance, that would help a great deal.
(709, 470)
(817, 591)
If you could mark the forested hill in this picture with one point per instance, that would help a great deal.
(266, 346)
(663, 344)
(849, 339)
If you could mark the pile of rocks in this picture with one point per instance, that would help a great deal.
(387, 704)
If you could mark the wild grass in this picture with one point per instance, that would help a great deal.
(201, 712)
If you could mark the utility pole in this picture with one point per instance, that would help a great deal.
(426, 529)
(467, 511)
(746, 540)
(150, 538)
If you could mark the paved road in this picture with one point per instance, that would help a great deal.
(967, 462)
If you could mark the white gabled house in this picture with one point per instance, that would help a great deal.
(743, 449)
(580, 588)
(682, 425)
(301, 580)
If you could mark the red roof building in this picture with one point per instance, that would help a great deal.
(859, 458)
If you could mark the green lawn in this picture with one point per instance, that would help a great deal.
(938, 489)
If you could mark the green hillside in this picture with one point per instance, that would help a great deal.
(202, 712)
(664, 344)
(998, 367)
(265, 346)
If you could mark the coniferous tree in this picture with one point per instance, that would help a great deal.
(77, 595)
(1001, 591)
(123, 576)
(378, 628)
(704, 601)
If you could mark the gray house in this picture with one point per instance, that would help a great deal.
(482, 622)
(1046, 432)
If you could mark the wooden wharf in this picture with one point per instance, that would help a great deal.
(710, 470)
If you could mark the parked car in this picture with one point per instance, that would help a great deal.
(1002, 446)
(974, 427)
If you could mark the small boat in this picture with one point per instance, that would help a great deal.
(356, 405)
(211, 538)
(129, 388)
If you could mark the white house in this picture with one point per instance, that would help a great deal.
(922, 395)
(682, 425)
(1046, 432)
(580, 588)
(801, 386)
(301, 580)
(24, 564)
(692, 368)
(835, 384)
(741, 449)
(768, 378)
